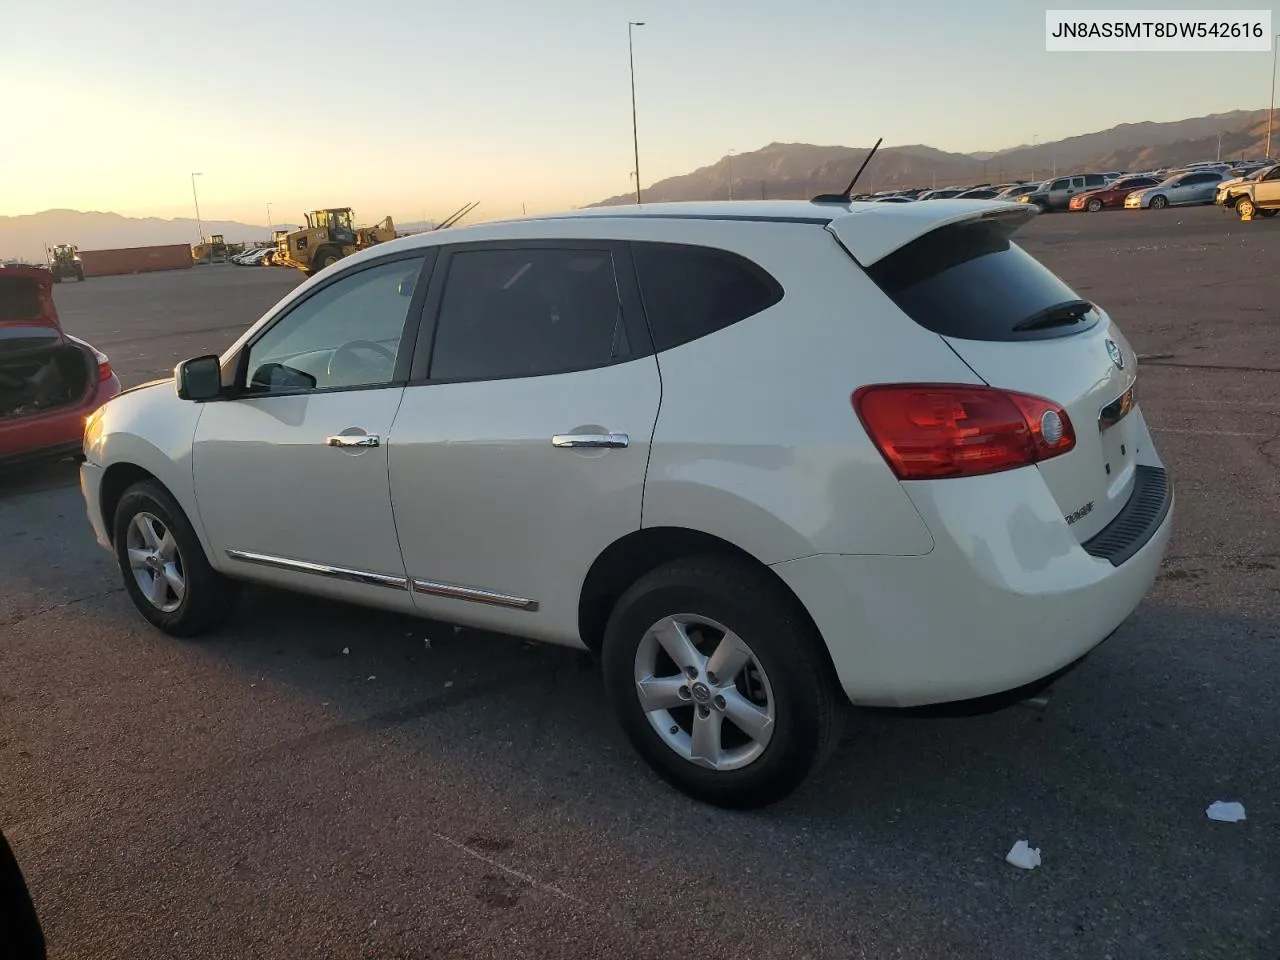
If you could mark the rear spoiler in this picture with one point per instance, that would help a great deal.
(871, 232)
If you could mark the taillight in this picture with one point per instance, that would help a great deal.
(930, 431)
(104, 364)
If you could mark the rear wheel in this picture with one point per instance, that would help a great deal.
(1268, 213)
(165, 571)
(1094, 205)
(1244, 208)
(1159, 202)
(720, 682)
(326, 258)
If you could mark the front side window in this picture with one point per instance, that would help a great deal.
(1060, 185)
(527, 312)
(346, 335)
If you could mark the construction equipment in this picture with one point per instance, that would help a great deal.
(214, 249)
(328, 236)
(64, 262)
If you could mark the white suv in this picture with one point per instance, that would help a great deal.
(761, 457)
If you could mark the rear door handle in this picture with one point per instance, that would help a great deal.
(571, 441)
(355, 440)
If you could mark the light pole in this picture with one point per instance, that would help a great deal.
(730, 174)
(1271, 112)
(199, 222)
(269, 224)
(635, 136)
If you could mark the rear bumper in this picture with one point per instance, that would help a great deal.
(1007, 597)
(52, 435)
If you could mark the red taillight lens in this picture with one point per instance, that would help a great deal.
(104, 365)
(931, 431)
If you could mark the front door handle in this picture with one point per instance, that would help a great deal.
(354, 440)
(572, 441)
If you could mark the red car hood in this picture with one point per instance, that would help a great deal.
(27, 312)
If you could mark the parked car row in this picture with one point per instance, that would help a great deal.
(254, 257)
(1197, 183)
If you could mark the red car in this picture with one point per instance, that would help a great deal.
(1112, 195)
(49, 381)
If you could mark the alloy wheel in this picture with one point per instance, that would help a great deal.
(704, 692)
(156, 562)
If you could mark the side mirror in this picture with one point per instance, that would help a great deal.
(199, 378)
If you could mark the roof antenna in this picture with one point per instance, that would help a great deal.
(847, 196)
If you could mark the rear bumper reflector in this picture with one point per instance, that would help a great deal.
(1137, 521)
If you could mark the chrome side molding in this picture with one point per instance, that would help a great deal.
(321, 569)
(475, 594)
(432, 587)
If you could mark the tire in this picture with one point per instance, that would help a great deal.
(1244, 208)
(207, 599)
(786, 669)
(1268, 213)
(1159, 202)
(326, 258)
(57, 278)
(79, 276)
(1041, 206)
(1094, 205)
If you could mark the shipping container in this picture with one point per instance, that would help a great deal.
(102, 263)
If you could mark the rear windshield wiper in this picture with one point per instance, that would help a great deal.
(1059, 315)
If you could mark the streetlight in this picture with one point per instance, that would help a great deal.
(635, 136)
(730, 174)
(1271, 111)
(199, 223)
(269, 225)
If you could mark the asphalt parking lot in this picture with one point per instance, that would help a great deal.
(262, 794)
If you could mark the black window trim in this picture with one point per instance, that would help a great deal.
(238, 366)
(624, 276)
(769, 280)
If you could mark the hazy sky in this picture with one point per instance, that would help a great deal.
(406, 106)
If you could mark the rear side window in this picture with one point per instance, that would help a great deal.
(969, 280)
(528, 312)
(19, 299)
(692, 291)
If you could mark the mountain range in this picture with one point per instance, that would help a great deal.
(776, 171)
(800, 170)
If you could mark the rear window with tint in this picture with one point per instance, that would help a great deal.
(691, 291)
(19, 299)
(968, 280)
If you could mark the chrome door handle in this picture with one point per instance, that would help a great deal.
(571, 441)
(356, 440)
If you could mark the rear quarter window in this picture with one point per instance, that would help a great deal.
(691, 291)
(970, 281)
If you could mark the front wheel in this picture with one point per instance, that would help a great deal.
(720, 682)
(1245, 208)
(1159, 203)
(1094, 205)
(166, 573)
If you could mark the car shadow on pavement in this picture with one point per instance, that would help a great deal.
(38, 476)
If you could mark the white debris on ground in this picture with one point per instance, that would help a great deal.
(346, 651)
(1023, 856)
(373, 678)
(1225, 811)
(426, 642)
